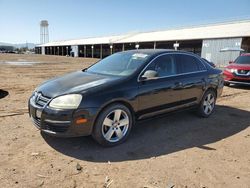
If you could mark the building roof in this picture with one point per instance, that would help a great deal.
(87, 41)
(213, 31)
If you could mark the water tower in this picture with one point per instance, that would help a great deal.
(44, 31)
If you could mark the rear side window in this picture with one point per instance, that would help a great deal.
(187, 63)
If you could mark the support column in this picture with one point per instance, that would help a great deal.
(62, 51)
(101, 51)
(123, 47)
(111, 49)
(67, 51)
(84, 51)
(43, 50)
(92, 51)
(57, 50)
(154, 45)
(137, 46)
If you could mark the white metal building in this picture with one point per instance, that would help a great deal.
(206, 41)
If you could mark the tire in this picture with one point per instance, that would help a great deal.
(113, 125)
(226, 84)
(207, 104)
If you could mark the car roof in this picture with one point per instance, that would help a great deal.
(158, 51)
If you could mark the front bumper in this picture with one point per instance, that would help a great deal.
(247, 83)
(62, 123)
(236, 79)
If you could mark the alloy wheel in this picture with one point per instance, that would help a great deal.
(115, 125)
(208, 104)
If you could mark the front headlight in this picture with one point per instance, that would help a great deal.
(231, 70)
(70, 101)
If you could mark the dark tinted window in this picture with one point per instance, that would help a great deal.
(243, 60)
(163, 65)
(187, 63)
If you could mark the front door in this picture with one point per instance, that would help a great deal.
(164, 91)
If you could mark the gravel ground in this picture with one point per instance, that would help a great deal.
(178, 150)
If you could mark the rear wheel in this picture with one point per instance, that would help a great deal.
(113, 125)
(226, 84)
(207, 104)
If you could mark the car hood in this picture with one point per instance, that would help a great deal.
(239, 66)
(75, 82)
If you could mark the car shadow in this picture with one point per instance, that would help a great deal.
(3, 93)
(159, 136)
(240, 86)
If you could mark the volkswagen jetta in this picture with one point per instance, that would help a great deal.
(106, 99)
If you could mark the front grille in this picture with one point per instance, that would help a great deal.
(243, 72)
(40, 100)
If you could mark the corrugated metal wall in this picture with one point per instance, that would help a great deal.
(211, 50)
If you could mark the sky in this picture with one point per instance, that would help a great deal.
(72, 19)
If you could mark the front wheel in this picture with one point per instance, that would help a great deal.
(207, 104)
(113, 125)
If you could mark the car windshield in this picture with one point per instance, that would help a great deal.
(243, 60)
(119, 64)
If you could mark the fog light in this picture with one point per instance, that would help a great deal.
(81, 120)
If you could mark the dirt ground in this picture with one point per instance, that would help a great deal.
(179, 150)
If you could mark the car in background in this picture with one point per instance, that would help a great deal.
(238, 71)
(106, 99)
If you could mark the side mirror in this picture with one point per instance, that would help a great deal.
(230, 62)
(149, 74)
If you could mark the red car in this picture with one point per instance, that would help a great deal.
(238, 72)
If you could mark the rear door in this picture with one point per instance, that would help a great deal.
(192, 75)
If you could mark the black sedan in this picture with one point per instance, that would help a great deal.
(106, 99)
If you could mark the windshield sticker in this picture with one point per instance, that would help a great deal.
(139, 55)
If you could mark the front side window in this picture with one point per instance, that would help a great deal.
(119, 64)
(187, 63)
(163, 65)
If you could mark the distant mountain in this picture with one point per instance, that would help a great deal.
(21, 45)
(5, 44)
(29, 45)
